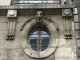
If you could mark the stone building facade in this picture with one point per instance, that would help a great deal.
(39, 30)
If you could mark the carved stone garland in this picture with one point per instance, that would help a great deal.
(39, 19)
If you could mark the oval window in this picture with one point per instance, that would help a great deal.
(39, 39)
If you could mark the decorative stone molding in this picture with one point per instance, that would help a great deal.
(53, 40)
(39, 20)
(66, 12)
(11, 15)
(68, 29)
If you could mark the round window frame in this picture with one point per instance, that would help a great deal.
(48, 51)
(35, 30)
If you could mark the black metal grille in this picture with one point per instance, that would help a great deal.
(39, 40)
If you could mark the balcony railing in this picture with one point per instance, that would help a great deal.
(36, 1)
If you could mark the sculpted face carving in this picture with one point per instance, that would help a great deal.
(39, 16)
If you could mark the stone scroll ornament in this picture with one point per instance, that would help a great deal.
(39, 17)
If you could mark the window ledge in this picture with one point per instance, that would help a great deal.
(35, 6)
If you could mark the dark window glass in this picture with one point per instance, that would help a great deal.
(39, 40)
(33, 40)
(69, 1)
(34, 1)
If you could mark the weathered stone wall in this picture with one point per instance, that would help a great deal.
(11, 49)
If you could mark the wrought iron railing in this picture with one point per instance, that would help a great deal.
(35, 1)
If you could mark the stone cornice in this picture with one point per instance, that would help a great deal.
(35, 6)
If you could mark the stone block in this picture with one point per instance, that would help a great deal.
(3, 26)
(19, 26)
(61, 43)
(78, 43)
(79, 16)
(75, 11)
(12, 44)
(76, 19)
(68, 43)
(3, 19)
(3, 35)
(18, 54)
(78, 4)
(22, 19)
(63, 58)
(78, 53)
(60, 52)
(77, 34)
(2, 43)
(51, 57)
(77, 26)
(78, 11)
(7, 59)
(3, 53)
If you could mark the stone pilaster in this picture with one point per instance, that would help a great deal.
(77, 30)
